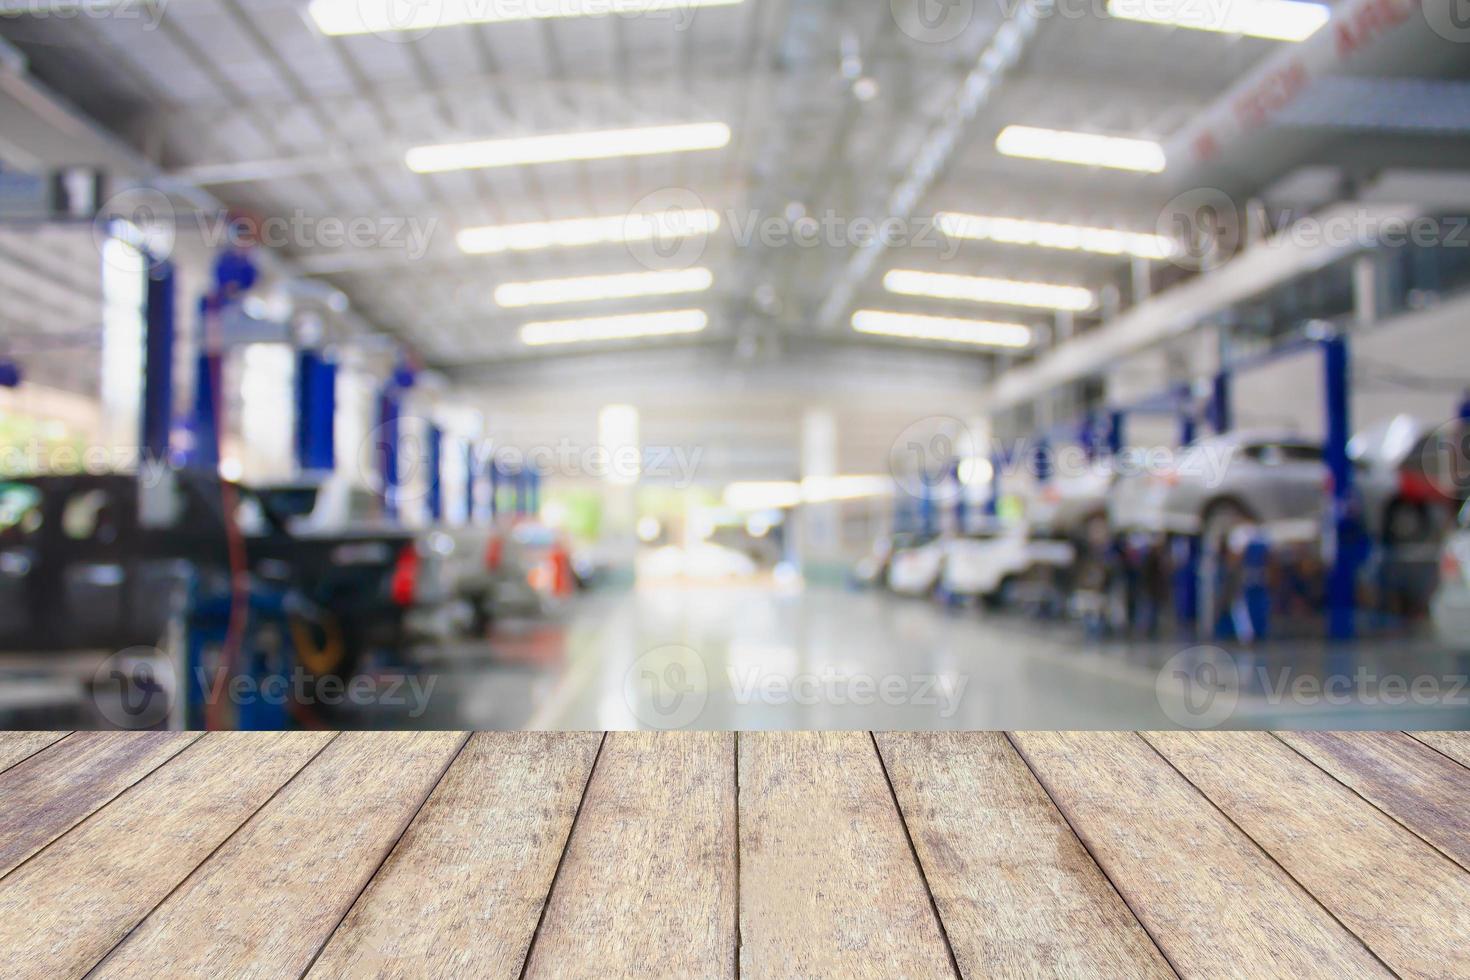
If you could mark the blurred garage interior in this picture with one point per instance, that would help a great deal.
(734, 364)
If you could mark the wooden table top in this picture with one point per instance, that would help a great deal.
(711, 855)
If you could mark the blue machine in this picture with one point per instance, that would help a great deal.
(316, 411)
(390, 408)
(260, 684)
(1345, 539)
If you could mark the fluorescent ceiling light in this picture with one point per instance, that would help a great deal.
(824, 489)
(1275, 20)
(391, 16)
(976, 289)
(1046, 234)
(762, 495)
(663, 225)
(545, 292)
(560, 147)
(915, 327)
(1087, 149)
(780, 494)
(614, 327)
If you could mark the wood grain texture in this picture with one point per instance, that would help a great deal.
(267, 900)
(19, 746)
(1018, 893)
(461, 893)
(1408, 780)
(647, 887)
(61, 911)
(50, 792)
(1456, 745)
(1215, 904)
(828, 882)
(1407, 901)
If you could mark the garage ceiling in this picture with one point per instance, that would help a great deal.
(827, 102)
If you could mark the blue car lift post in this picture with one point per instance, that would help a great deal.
(316, 410)
(436, 473)
(1345, 540)
(390, 409)
(471, 482)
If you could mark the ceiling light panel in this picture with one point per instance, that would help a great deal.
(575, 232)
(337, 17)
(978, 289)
(1274, 20)
(912, 326)
(1047, 234)
(627, 327)
(586, 289)
(1084, 149)
(562, 147)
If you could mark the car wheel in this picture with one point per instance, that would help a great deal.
(1406, 522)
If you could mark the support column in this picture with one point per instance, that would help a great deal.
(1365, 290)
(1222, 416)
(435, 438)
(387, 447)
(818, 528)
(158, 363)
(316, 412)
(471, 481)
(1343, 525)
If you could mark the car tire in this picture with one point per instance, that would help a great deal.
(1406, 522)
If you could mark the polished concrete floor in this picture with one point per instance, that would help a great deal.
(761, 657)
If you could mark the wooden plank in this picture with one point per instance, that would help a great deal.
(648, 884)
(1407, 901)
(1409, 781)
(52, 791)
(1019, 895)
(828, 882)
(1213, 902)
(1456, 745)
(461, 893)
(61, 911)
(268, 899)
(19, 746)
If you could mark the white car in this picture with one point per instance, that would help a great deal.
(915, 570)
(980, 566)
(1450, 607)
(1069, 504)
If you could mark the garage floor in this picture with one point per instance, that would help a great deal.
(755, 658)
(716, 855)
(761, 658)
